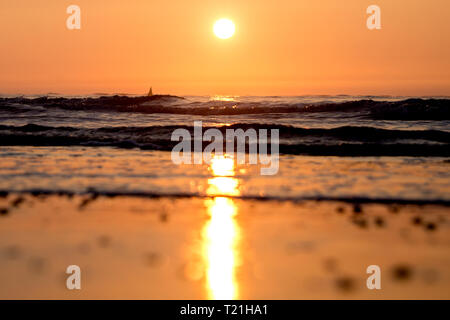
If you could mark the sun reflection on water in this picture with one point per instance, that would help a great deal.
(222, 166)
(223, 186)
(221, 232)
(222, 98)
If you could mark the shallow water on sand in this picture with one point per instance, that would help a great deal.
(220, 248)
(140, 226)
(151, 173)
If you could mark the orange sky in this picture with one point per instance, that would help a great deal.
(284, 47)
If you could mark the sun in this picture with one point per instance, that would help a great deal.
(224, 28)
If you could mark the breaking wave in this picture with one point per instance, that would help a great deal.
(406, 109)
(340, 141)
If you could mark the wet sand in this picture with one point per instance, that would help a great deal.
(220, 248)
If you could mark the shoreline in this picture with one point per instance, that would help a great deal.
(93, 195)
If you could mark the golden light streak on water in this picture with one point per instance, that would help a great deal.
(221, 233)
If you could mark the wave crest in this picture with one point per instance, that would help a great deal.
(408, 109)
(340, 141)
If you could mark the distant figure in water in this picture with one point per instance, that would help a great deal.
(150, 92)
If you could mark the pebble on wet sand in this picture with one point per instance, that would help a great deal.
(345, 283)
(402, 272)
(85, 202)
(18, 201)
(362, 223)
(394, 209)
(152, 259)
(12, 252)
(430, 226)
(340, 209)
(104, 241)
(163, 217)
(330, 264)
(417, 220)
(357, 209)
(37, 265)
(379, 222)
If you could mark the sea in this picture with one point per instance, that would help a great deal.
(341, 147)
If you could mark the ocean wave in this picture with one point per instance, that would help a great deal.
(339, 141)
(407, 109)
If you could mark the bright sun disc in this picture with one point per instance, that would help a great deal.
(224, 28)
